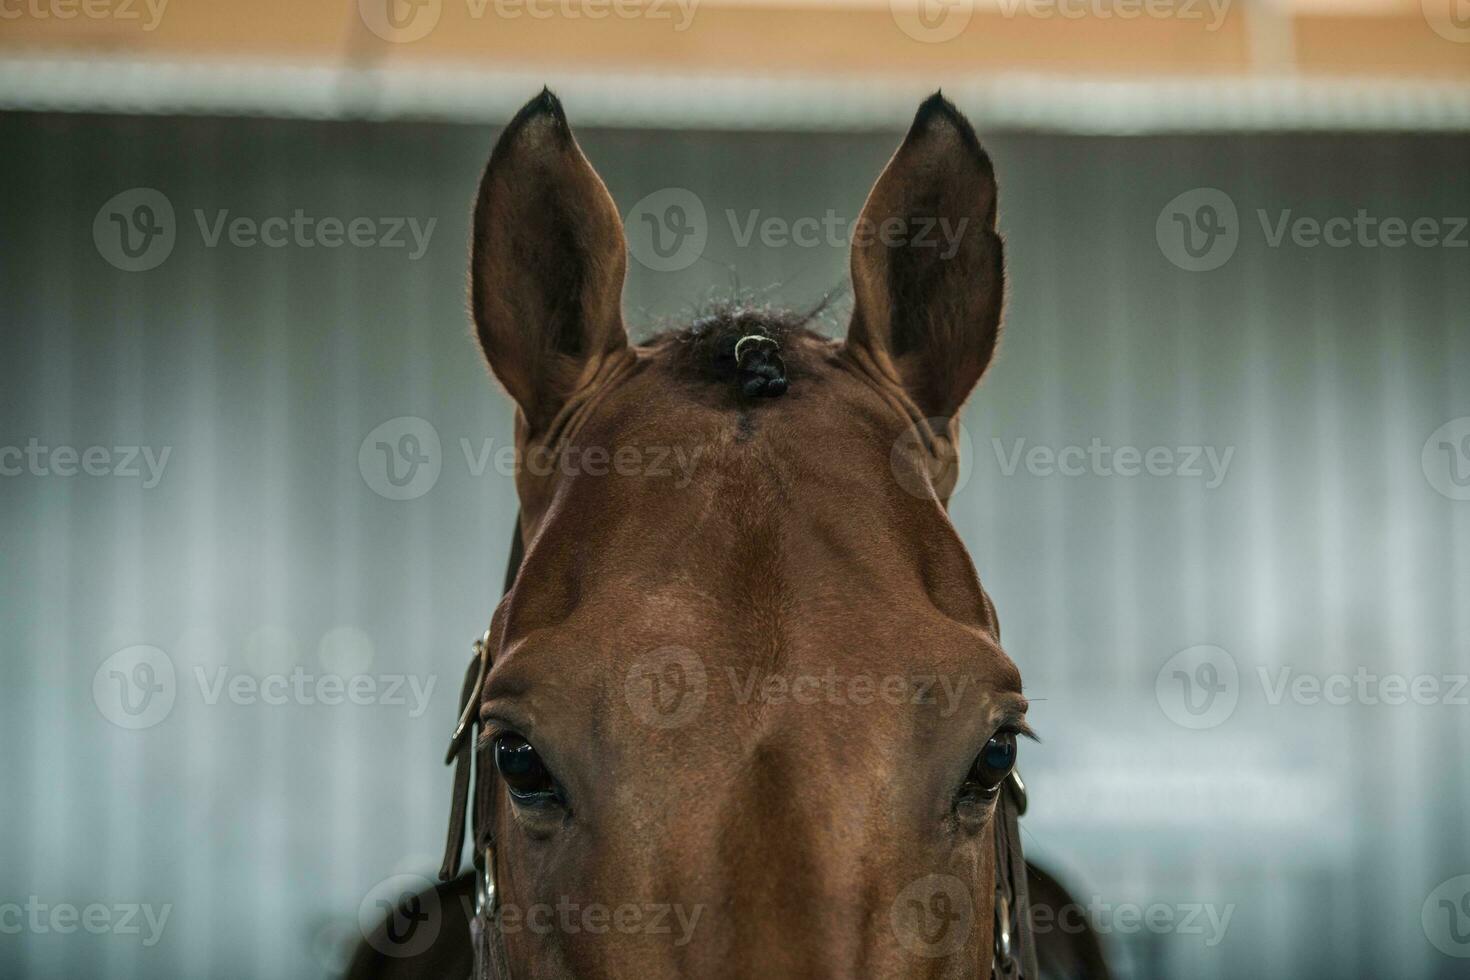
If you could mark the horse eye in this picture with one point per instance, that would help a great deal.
(994, 763)
(524, 773)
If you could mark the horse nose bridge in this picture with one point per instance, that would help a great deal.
(804, 862)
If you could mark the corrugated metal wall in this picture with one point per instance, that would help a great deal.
(1330, 545)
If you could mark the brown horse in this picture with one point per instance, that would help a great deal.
(747, 700)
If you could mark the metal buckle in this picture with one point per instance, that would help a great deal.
(485, 892)
(1002, 926)
(472, 705)
(1018, 792)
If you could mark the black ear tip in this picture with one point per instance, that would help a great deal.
(548, 104)
(544, 108)
(937, 111)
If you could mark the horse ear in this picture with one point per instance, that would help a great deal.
(928, 270)
(547, 263)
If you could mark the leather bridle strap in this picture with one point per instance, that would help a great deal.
(1014, 955)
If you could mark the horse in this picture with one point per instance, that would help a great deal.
(750, 715)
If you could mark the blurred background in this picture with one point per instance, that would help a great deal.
(256, 498)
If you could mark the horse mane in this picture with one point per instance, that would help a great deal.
(734, 342)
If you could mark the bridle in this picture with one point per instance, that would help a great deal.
(1014, 957)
